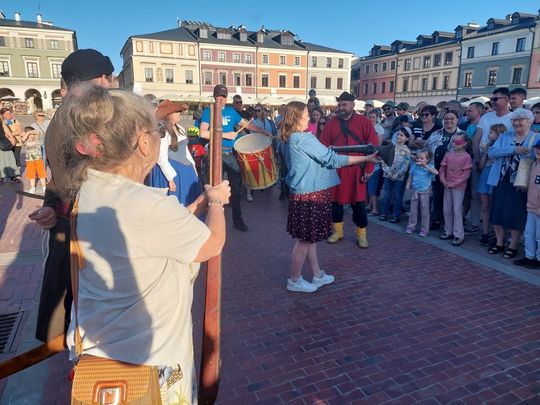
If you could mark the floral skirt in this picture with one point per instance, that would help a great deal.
(310, 216)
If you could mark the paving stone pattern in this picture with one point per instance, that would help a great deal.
(404, 323)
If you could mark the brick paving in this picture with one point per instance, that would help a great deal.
(405, 322)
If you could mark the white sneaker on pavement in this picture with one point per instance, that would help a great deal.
(249, 196)
(324, 279)
(301, 285)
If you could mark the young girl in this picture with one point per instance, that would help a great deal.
(532, 237)
(311, 174)
(373, 186)
(34, 158)
(483, 188)
(454, 172)
(394, 176)
(421, 176)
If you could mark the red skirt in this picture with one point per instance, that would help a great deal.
(351, 189)
(310, 216)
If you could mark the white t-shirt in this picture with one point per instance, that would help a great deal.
(489, 119)
(136, 290)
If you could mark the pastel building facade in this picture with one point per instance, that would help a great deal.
(31, 56)
(497, 55)
(377, 73)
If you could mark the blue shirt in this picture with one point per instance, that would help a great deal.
(421, 177)
(230, 119)
(311, 165)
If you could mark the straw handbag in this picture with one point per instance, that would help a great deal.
(101, 381)
(521, 182)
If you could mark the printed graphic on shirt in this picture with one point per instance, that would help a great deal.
(537, 179)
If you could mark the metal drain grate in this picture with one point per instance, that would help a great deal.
(9, 323)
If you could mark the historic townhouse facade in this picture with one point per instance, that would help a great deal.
(428, 70)
(534, 72)
(281, 64)
(328, 70)
(160, 64)
(31, 56)
(256, 64)
(498, 54)
(377, 74)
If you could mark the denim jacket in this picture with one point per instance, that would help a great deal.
(502, 148)
(311, 165)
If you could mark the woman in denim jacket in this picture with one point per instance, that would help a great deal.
(508, 204)
(311, 174)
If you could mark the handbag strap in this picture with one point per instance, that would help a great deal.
(77, 263)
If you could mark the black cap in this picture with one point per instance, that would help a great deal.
(345, 96)
(85, 64)
(221, 90)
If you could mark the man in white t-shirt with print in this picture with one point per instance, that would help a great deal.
(499, 115)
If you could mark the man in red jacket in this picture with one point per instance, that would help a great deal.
(347, 129)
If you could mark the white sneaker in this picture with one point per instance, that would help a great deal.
(301, 285)
(32, 190)
(324, 279)
(249, 197)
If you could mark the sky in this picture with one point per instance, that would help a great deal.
(348, 25)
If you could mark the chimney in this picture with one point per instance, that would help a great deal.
(17, 16)
(179, 22)
(39, 19)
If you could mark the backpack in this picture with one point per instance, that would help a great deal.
(5, 143)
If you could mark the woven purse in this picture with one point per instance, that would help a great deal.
(101, 381)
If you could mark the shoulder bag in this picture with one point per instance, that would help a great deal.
(101, 381)
(521, 182)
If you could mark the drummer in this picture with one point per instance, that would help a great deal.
(232, 124)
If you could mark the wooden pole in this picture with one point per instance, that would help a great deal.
(211, 345)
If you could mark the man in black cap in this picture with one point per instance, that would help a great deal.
(231, 121)
(83, 65)
(346, 129)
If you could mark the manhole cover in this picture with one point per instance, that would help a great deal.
(9, 323)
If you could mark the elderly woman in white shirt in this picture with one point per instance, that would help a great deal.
(141, 248)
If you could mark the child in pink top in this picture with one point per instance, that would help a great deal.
(454, 173)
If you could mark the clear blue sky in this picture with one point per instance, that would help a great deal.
(349, 25)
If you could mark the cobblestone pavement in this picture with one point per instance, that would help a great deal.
(408, 320)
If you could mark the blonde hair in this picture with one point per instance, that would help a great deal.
(293, 114)
(114, 117)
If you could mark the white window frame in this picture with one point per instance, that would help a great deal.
(220, 76)
(248, 58)
(149, 68)
(55, 41)
(296, 77)
(297, 61)
(205, 73)
(236, 75)
(265, 59)
(222, 57)
(282, 75)
(282, 59)
(8, 62)
(207, 56)
(236, 57)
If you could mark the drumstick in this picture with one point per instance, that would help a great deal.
(243, 127)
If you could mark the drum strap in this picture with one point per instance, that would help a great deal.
(346, 131)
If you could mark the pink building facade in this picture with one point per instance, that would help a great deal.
(533, 84)
(377, 75)
(234, 68)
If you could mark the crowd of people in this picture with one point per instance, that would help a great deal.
(126, 192)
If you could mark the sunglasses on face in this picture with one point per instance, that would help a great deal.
(258, 110)
(388, 109)
(495, 99)
(237, 102)
(425, 115)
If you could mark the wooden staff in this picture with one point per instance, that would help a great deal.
(33, 356)
(211, 346)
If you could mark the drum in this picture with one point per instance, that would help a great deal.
(256, 158)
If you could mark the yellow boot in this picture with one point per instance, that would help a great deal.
(361, 236)
(337, 233)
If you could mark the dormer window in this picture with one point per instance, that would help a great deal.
(260, 37)
(286, 39)
(490, 24)
(203, 33)
(420, 40)
(243, 36)
(223, 35)
(459, 34)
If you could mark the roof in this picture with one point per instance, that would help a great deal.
(176, 34)
(5, 22)
(524, 22)
(314, 47)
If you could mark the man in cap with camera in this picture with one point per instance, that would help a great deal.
(349, 128)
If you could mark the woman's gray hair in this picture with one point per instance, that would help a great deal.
(101, 128)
